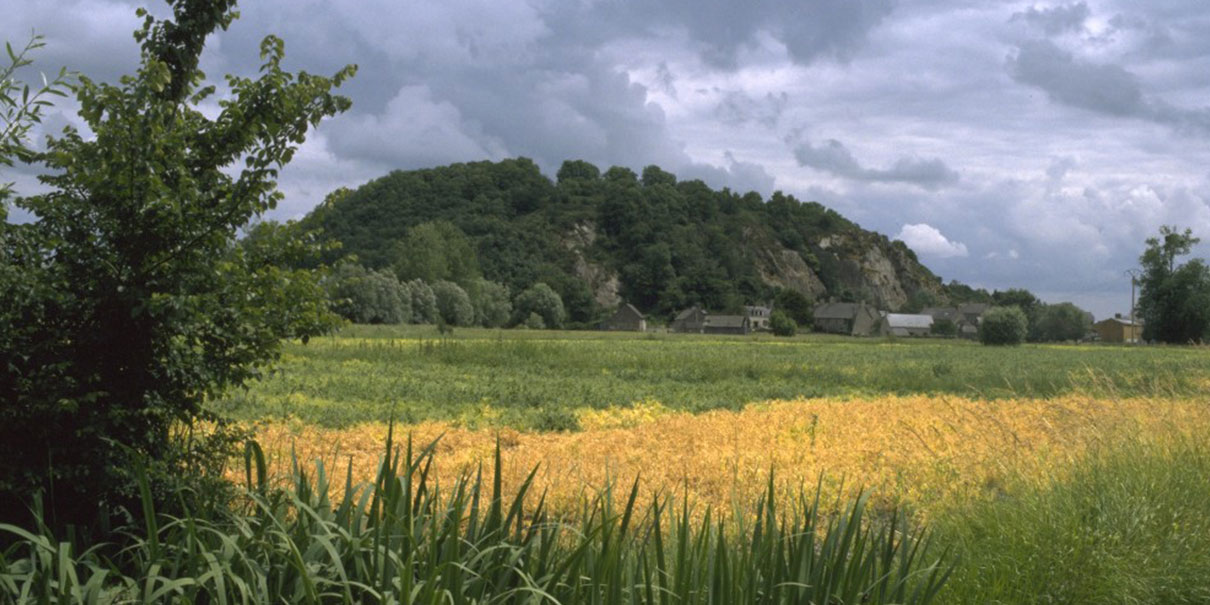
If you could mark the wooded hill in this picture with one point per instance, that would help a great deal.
(601, 238)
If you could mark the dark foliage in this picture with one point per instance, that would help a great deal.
(127, 302)
(671, 243)
(1003, 326)
(781, 324)
(1175, 299)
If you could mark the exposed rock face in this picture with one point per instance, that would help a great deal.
(603, 282)
(882, 278)
(779, 266)
(872, 267)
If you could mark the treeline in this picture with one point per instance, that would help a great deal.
(379, 297)
(669, 244)
(1042, 321)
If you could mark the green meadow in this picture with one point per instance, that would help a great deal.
(535, 379)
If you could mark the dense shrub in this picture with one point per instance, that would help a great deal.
(1061, 322)
(369, 297)
(795, 305)
(424, 302)
(492, 303)
(1003, 326)
(453, 305)
(781, 324)
(542, 301)
(944, 327)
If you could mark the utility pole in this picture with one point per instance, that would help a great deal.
(1134, 279)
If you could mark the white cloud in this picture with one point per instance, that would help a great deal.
(928, 241)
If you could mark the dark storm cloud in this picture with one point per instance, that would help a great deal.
(1057, 190)
(1103, 88)
(833, 157)
(1058, 19)
(737, 108)
(720, 29)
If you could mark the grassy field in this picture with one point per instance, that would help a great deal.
(1047, 474)
(571, 467)
(540, 380)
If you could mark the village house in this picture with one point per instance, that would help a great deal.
(854, 319)
(626, 319)
(946, 314)
(1119, 329)
(971, 317)
(726, 324)
(907, 324)
(758, 317)
(691, 320)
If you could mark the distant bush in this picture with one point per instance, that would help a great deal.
(534, 322)
(782, 325)
(795, 305)
(1061, 322)
(541, 300)
(491, 301)
(424, 302)
(1003, 326)
(453, 305)
(368, 297)
(944, 327)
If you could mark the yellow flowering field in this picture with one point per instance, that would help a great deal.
(925, 451)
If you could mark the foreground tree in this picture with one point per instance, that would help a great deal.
(127, 303)
(1174, 301)
(21, 107)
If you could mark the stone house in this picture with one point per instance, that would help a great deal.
(726, 324)
(691, 320)
(758, 316)
(970, 316)
(626, 319)
(907, 324)
(854, 319)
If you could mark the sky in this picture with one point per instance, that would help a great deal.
(1010, 144)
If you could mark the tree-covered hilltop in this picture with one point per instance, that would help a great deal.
(601, 237)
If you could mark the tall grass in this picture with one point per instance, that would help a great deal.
(1129, 525)
(406, 539)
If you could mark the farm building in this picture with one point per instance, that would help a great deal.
(972, 313)
(626, 319)
(854, 319)
(726, 324)
(943, 313)
(907, 324)
(690, 320)
(758, 316)
(1118, 329)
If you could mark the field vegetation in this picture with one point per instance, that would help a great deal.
(539, 380)
(1042, 473)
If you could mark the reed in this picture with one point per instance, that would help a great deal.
(405, 538)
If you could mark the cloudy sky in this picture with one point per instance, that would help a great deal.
(1011, 144)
